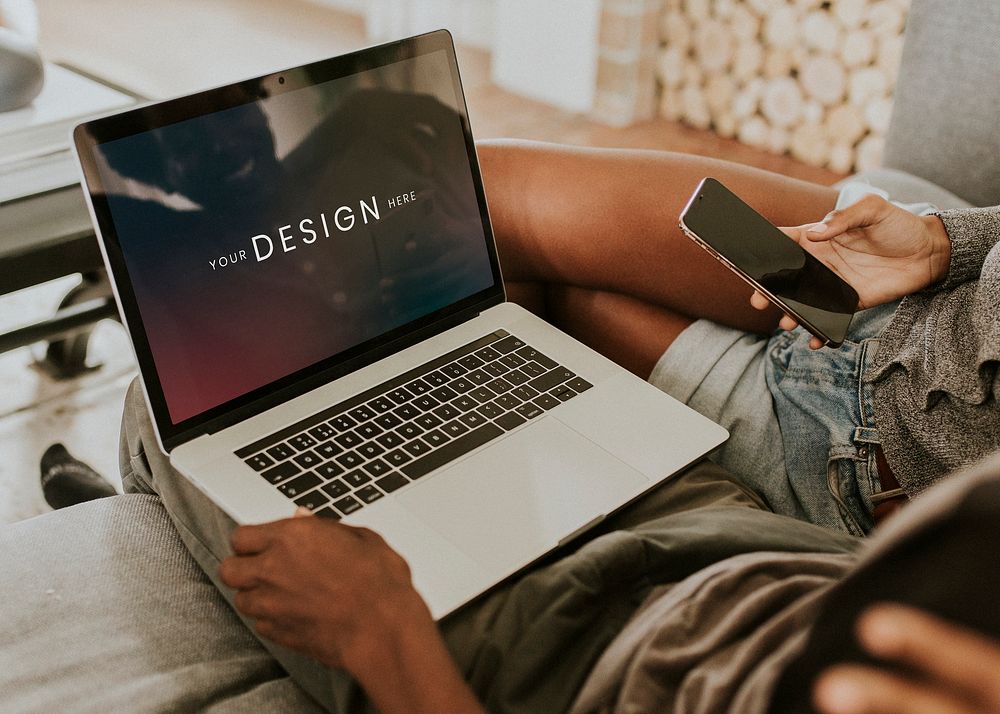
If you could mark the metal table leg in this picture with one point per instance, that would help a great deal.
(66, 358)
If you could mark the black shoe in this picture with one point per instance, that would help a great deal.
(67, 481)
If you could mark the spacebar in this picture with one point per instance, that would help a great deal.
(452, 450)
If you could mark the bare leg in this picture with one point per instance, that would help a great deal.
(624, 329)
(605, 222)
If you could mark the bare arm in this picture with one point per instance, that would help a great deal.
(342, 596)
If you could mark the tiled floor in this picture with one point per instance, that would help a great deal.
(161, 49)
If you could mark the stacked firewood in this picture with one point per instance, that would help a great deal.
(805, 77)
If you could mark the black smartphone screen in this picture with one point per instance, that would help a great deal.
(815, 295)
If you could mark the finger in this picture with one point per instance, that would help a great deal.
(793, 232)
(787, 323)
(799, 234)
(265, 627)
(302, 512)
(270, 630)
(944, 651)
(859, 690)
(253, 603)
(758, 301)
(816, 343)
(250, 540)
(820, 231)
(865, 212)
(239, 572)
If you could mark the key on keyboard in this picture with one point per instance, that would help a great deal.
(352, 454)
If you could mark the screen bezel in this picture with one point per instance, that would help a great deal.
(154, 116)
(701, 200)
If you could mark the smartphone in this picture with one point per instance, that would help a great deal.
(774, 264)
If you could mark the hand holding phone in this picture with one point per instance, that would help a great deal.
(884, 251)
(771, 262)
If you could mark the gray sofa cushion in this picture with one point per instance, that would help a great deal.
(945, 124)
(907, 188)
(75, 641)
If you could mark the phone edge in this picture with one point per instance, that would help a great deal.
(812, 329)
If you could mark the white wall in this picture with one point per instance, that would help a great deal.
(543, 49)
(470, 21)
(548, 50)
(356, 6)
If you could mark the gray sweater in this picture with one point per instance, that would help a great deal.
(936, 372)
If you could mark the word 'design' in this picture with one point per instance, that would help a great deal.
(309, 230)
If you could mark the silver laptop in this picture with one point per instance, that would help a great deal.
(305, 266)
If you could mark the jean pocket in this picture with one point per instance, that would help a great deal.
(848, 473)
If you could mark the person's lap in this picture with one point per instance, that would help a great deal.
(112, 608)
(559, 616)
(800, 420)
(111, 611)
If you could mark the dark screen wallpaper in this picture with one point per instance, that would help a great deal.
(265, 238)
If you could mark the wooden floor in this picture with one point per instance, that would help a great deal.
(164, 49)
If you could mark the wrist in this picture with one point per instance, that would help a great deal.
(939, 259)
(406, 666)
(392, 627)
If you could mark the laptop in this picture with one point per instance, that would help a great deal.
(305, 266)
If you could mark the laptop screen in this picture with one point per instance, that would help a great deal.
(275, 234)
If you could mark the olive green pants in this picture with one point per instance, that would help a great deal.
(528, 645)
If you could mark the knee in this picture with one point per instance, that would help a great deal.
(130, 445)
(131, 415)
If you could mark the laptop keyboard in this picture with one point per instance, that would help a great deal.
(339, 460)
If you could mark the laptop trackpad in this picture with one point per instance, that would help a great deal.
(516, 499)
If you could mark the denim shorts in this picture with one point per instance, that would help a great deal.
(825, 413)
(802, 431)
(800, 420)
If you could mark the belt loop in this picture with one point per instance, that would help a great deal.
(866, 435)
(866, 392)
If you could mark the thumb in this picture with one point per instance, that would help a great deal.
(864, 213)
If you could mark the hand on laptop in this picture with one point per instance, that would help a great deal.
(342, 596)
(883, 251)
(954, 670)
